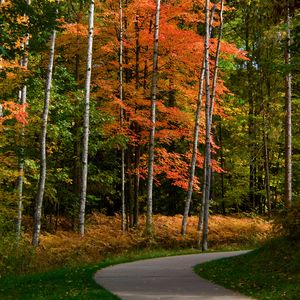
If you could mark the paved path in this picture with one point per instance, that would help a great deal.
(166, 278)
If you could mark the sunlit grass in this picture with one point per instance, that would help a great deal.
(271, 272)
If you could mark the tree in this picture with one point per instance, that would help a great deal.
(195, 141)
(288, 114)
(86, 119)
(207, 164)
(43, 163)
(122, 118)
(152, 120)
(210, 107)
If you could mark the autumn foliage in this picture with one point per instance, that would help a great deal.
(104, 238)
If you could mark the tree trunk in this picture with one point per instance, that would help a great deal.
(123, 217)
(86, 120)
(22, 101)
(288, 117)
(209, 108)
(43, 166)
(152, 120)
(207, 167)
(195, 141)
(222, 166)
(136, 186)
(216, 68)
(266, 155)
(251, 143)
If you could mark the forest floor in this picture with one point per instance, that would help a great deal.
(103, 238)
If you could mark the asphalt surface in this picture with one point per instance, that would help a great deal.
(166, 278)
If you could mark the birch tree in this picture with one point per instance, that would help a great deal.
(206, 184)
(43, 163)
(195, 141)
(22, 101)
(86, 119)
(152, 120)
(207, 172)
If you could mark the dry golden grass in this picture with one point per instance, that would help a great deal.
(103, 237)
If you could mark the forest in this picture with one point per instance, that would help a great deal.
(140, 110)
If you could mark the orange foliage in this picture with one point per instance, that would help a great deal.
(180, 60)
(104, 237)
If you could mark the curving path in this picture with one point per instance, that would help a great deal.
(166, 278)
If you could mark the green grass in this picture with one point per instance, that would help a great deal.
(71, 282)
(271, 272)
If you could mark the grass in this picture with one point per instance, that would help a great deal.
(271, 272)
(70, 282)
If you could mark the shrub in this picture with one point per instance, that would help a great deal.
(15, 258)
(288, 222)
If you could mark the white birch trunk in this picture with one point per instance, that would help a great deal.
(288, 117)
(123, 217)
(43, 166)
(203, 219)
(152, 120)
(206, 184)
(195, 141)
(86, 120)
(22, 101)
(216, 68)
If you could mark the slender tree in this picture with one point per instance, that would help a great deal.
(123, 225)
(216, 67)
(207, 172)
(207, 167)
(86, 119)
(43, 163)
(22, 101)
(152, 120)
(288, 115)
(195, 141)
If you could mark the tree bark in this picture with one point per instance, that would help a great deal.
(288, 116)
(43, 165)
(123, 209)
(86, 120)
(209, 108)
(266, 154)
(136, 186)
(251, 143)
(195, 141)
(152, 121)
(206, 189)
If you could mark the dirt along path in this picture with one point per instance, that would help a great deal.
(166, 278)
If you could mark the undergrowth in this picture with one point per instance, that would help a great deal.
(104, 239)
